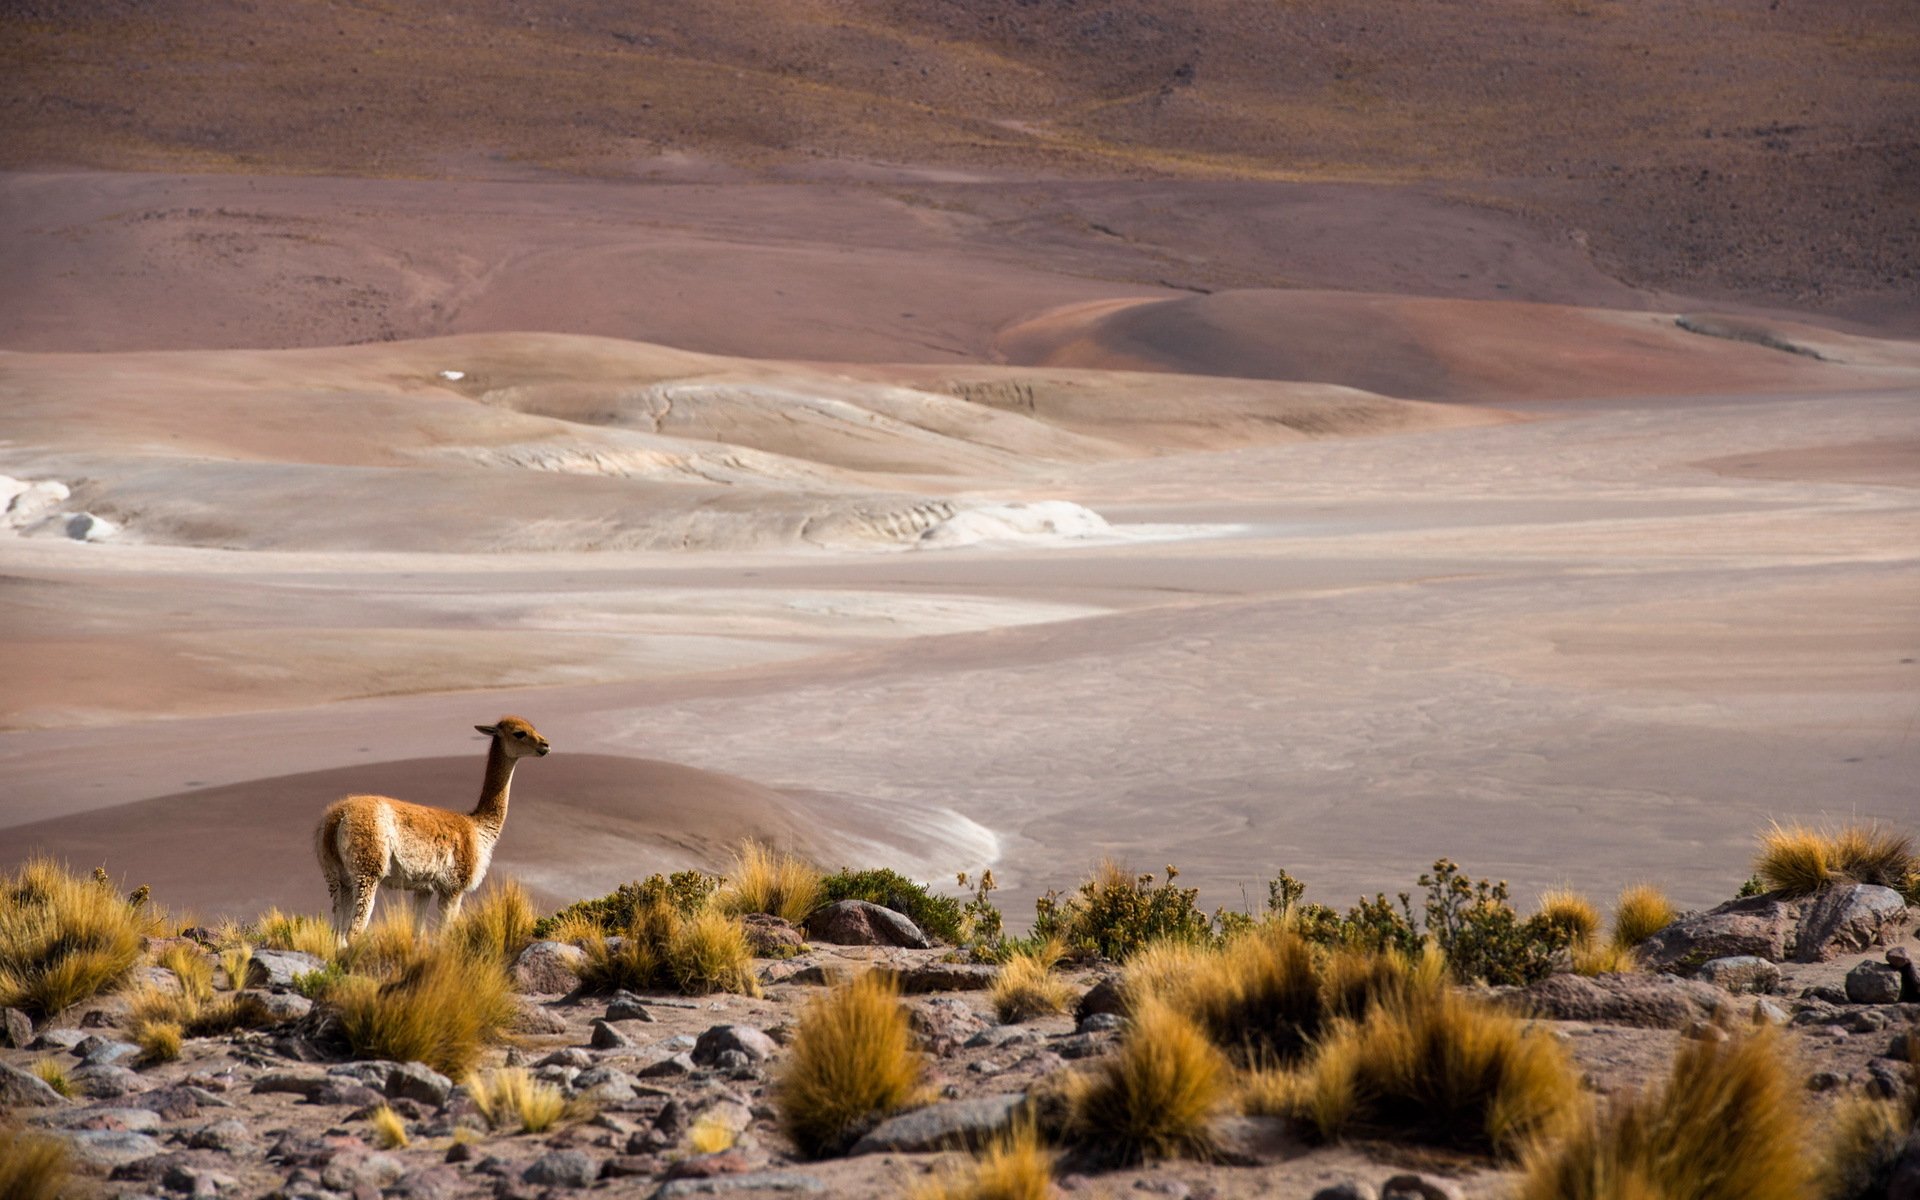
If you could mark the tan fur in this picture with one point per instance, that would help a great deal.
(366, 841)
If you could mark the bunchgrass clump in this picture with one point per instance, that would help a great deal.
(304, 932)
(1443, 1069)
(441, 1010)
(687, 892)
(191, 967)
(159, 1041)
(1605, 958)
(389, 1129)
(1641, 911)
(498, 923)
(236, 963)
(851, 1063)
(1014, 1166)
(1794, 860)
(64, 939)
(50, 1072)
(941, 917)
(393, 944)
(1729, 1125)
(1571, 914)
(1156, 1095)
(1874, 853)
(195, 1010)
(764, 880)
(664, 950)
(1027, 986)
(511, 1098)
(32, 1166)
(712, 1133)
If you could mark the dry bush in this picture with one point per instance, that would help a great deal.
(304, 932)
(236, 962)
(1014, 1166)
(1443, 1069)
(1605, 958)
(1269, 1092)
(1794, 859)
(50, 1072)
(389, 1131)
(1728, 1126)
(511, 1098)
(497, 923)
(195, 1010)
(32, 1167)
(574, 928)
(64, 939)
(1863, 1147)
(442, 1010)
(1641, 911)
(1572, 914)
(191, 967)
(766, 881)
(392, 945)
(1157, 1094)
(1873, 853)
(1163, 967)
(851, 1063)
(662, 950)
(1026, 986)
(159, 1041)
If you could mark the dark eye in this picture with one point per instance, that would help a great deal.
(518, 734)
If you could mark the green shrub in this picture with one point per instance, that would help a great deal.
(939, 916)
(687, 891)
(1115, 913)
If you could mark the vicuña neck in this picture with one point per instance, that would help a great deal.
(491, 813)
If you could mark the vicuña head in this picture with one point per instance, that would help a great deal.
(365, 841)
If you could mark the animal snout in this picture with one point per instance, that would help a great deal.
(542, 751)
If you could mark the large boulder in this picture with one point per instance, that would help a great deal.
(944, 977)
(1757, 926)
(1740, 973)
(548, 968)
(1873, 983)
(1848, 917)
(861, 923)
(277, 968)
(1648, 1001)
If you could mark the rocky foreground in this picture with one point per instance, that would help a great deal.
(673, 1094)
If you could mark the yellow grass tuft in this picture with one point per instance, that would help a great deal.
(1442, 1069)
(1863, 1146)
(442, 1010)
(852, 1062)
(662, 950)
(1794, 859)
(711, 1134)
(236, 962)
(511, 1098)
(576, 928)
(391, 946)
(1569, 912)
(765, 881)
(159, 1041)
(1605, 958)
(1729, 1125)
(64, 939)
(305, 932)
(1154, 1097)
(51, 1073)
(1012, 1167)
(1026, 986)
(1873, 853)
(191, 967)
(32, 1167)
(389, 1131)
(1269, 1092)
(1162, 968)
(1641, 911)
(497, 923)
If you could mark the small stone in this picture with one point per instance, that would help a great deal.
(110, 1149)
(625, 1006)
(570, 1056)
(418, 1081)
(23, 1089)
(1871, 1020)
(1885, 1079)
(548, 968)
(1102, 1022)
(1349, 1189)
(1417, 1187)
(1826, 993)
(673, 1067)
(1700, 1031)
(707, 1166)
(986, 1066)
(630, 1166)
(1740, 973)
(1823, 1081)
(563, 1168)
(350, 1170)
(197, 1180)
(16, 1029)
(1081, 1045)
(807, 974)
(345, 1093)
(607, 1037)
(372, 1073)
(860, 923)
(537, 1019)
(1768, 1012)
(1648, 1001)
(956, 1124)
(277, 968)
(733, 1063)
(944, 1024)
(1106, 996)
(1873, 983)
(304, 1085)
(228, 1135)
(106, 1082)
(753, 1043)
(605, 1085)
(770, 937)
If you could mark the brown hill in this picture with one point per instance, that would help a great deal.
(1776, 167)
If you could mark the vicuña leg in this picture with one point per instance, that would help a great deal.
(450, 908)
(364, 891)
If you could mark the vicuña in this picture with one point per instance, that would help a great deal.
(365, 841)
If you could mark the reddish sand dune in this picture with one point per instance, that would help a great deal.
(1446, 349)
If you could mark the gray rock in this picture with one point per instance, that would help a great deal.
(1901, 960)
(733, 1064)
(129, 1120)
(1826, 993)
(349, 1170)
(956, 1124)
(108, 1148)
(860, 923)
(300, 1084)
(548, 968)
(196, 1180)
(1848, 917)
(280, 1007)
(348, 1094)
(373, 1073)
(1252, 1141)
(561, 1076)
(625, 1006)
(428, 1183)
(418, 1081)
(58, 1039)
(24, 1089)
(756, 1181)
(770, 937)
(1081, 1045)
(571, 1056)
(1886, 1079)
(1107, 996)
(928, 978)
(1769, 1012)
(1350, 1189)
(1871, 1020)
(673, 1067)
(1873, 983)
(228, 1135)
(107, 1082)
(607, 1036)
(1648, 1001)
(532, 1018)
(1418, 1187)
(606, 1085)
(16, 1029)
(753, 1043)
(944, 1024)
(1740, 973)
(276, 968)
(1101, 1022)
(1823, 1081)
(97, 1051)
(562, 1168)
(1761, 926)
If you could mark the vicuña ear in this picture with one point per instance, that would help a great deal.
(489, 730)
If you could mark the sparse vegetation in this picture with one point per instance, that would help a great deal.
(939, 916)
(498, 923)
(511, 1098)
(851, 1063)
(711, 1134)
(687, 891)
(1443, 1069)
(1012, 1167)
(1027, 986)
(767, 881)
(191, 967)
(1797, 860)
(306, 933)
(317, 985)
(236, 962)
(1641, 911)
(664, 950)
(64, 939)
(1727, 1126)
(1569, 913)
(1605, 958)
(50, 1072)
(394, 942)
(1154, 1097)
(389, 1130)
(441, 1009)
(159, 1041)
(1115, 912)
(32, 1166)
